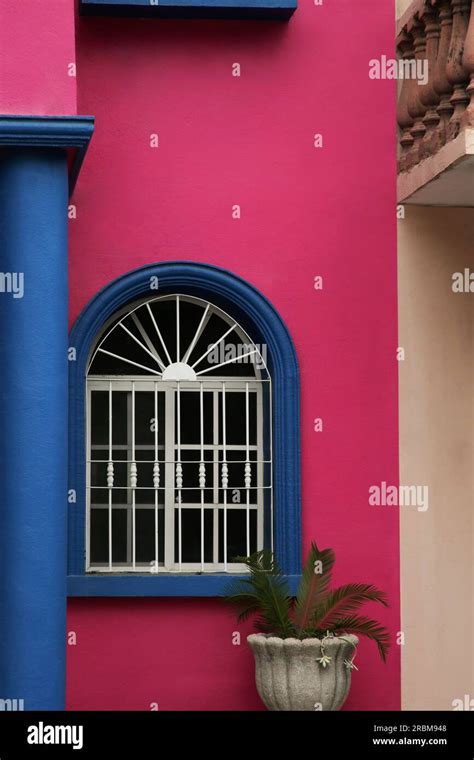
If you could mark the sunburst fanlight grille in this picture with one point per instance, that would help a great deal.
(176, 338)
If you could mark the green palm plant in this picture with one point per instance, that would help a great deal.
(316, 611)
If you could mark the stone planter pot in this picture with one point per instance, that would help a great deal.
(288, 676)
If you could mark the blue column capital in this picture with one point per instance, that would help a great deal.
(71, 133)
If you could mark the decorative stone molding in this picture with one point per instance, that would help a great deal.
(428, 95)
(468, 63)
(457, 74)
(441, 83)
(416, 108)
(405, 121)
(436, 101)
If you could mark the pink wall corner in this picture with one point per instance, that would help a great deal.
(305, 212)
(36, 48)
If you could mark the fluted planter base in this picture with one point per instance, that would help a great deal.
(288, 676)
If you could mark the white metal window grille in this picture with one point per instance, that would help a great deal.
(179, 473)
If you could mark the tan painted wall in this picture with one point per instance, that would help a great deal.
(437, 450)
(401, 6)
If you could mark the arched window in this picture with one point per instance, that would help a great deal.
(184, 400)
(179, 429)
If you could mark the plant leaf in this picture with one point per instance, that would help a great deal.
(346, 599)
(265, 591)
(313, 585)
(365, 626)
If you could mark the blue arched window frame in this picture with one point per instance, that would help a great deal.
(260, 320)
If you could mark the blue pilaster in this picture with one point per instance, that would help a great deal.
(33, 414)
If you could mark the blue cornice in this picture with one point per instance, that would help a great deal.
(230, 9)
(72, 133)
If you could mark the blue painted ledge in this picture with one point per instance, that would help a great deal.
(73, 133)
(157, 585)
(228, 9)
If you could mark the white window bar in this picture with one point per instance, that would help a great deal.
(229, 361)
(248, 471)
(225, 472)
(129, 361)
(202, 469)
(158, 333)
(179, 473)
(147, 340)
(216, 479)
(170, 479)
(139, 343)
(197, 334)
(211, 348)
(110, 475)
(270, 447)
(178, 347)
(260, 472)
(133, 481)
(156, 480)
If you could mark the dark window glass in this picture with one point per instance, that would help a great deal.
(190, 407)
(99, 550)
(237, 533)
(145, 534)
(191, 535)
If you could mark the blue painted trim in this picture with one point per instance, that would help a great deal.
(172, 585)
(33, 431)
(262, 322)
(237, 9)
(71, 133)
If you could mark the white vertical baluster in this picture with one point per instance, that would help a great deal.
(133, 479)
(110, 474)
(224, 472)
(179, 473)
(156, 479)
(248, 469)
(202, 471)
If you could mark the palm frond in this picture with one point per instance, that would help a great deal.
(344, 600)
(313, 585)
(265, 592)
(245, 602)
(359, 624)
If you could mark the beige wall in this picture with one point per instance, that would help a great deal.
(436, 449)
(401, 6)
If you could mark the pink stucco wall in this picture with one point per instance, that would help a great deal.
(304, 212)
(36, 53)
